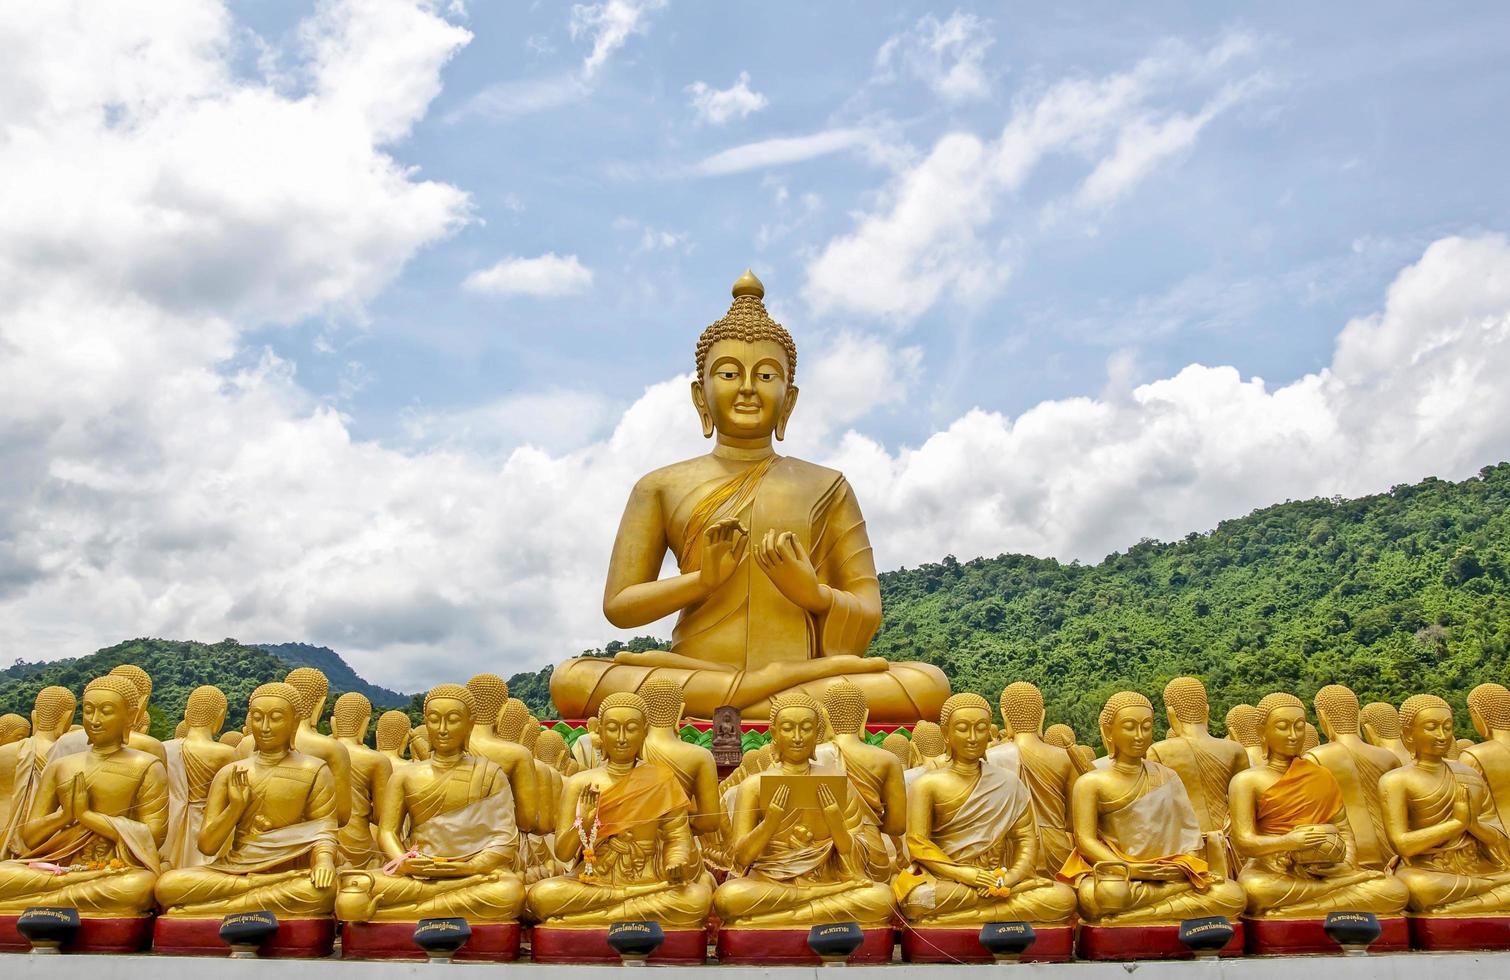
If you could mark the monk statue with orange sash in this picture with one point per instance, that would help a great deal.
(1290, 826)
(776, 587)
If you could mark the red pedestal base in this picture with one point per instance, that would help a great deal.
(683, 947)
(1055, 944)
(1301, 937)
(788, 947)
(1144, 943)
(94, 936)
(1479, 932)
(295, 938)
(496, 943)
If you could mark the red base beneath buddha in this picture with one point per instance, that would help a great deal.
(683, 947)
(788, 947)
(495, 943)
(94, 936)
(295, 939)
(1144, 943)
(1469, 933)
(1055, 944)
(1301, 937)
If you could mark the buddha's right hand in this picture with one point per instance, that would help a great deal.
(238, 791)
(724, 546)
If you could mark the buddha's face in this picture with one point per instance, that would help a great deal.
(622, 731)
(272, 722)
(107, 718)
(1430, 733)
(1284, 732)
(794, 734)
(968, 734)
(448, 725)
(745, 391)
(1131, 732)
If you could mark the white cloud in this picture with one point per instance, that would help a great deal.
(718, 106)
(609, 25)
(545, 275)
(780, 151)
(948, 56)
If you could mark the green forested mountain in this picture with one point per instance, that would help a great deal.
(342, 677)
(1393, 594)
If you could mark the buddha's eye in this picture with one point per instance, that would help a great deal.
(767, 376)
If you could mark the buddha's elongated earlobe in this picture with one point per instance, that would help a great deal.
(700, 402)
(788, 403)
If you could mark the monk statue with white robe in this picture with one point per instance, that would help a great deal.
(193, 762)
(96, 820)
(531, 810)
(776, 587)
(1357, 766)
(137, 737)
(22, 763)
(370, 770)
(1045, 770)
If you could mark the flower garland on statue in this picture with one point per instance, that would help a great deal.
(589, 872)
(114, 864)
(999, 887)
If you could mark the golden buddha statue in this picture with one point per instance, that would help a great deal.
(22, 763)
(1311, 738)
(96, 821)
(233, 739)
(1381, 727)
(898, 745)
(1140, 857)
(534, 849)
(77, 740)
(1290, 825)
(777, 588)
(392, 737)
(314, 688)
(269, 826)
(971, 838)
(638, 861)
(13, 728)
(193, 762)
(1357, 767)
(1082, 756)
(550, 748)
(460, 855)
(1046, 771)
(180, 730)
(692, 765)
(1489, 710)
(794, 868)
(1205, 764)
(928, 749)
(1242, 728)
(1440, 817)
(586, 749)
(419, 750)
(491, 693)
(370, 770)
(875, 776)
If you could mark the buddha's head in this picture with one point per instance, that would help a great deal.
(512, 718)
(897, 744)
(181, 729)
(13, 728)
(1426, 727)
(110, 707)
(1185, 705)
(622, 727)
(392, 732)
(1337, 711)
(1022, 708)
(490, 692)
(1489, 709)
(449, 710)
(966, 721)
(1381, 722)
(272, 716)
(592, 725)
(845, 707)
(1282, 725)
(1242, 725)
(351, 716)
(314, 688)
(745, 387)
(142, 681)
(206, 709)
(795, 727)
(1061, 735)
(531, 733)
(663, 702)
(1127, 725)
(928, 739)
(52, 711)
(419, 743)
(232, 739)
(550, 747)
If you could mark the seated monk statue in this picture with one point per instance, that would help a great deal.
(77, 740)
(1381, 727)
(370, 770)
(875, 776)
(419, 747)
(1489, 709)
(1357, 767)
(898, 745)
(13, 728)
(460, 854)
(585, 749)
(531, 809)
(1204, 763)
(928, 751)
(22, 763)
(1454, 853)
(792, 868)
(534, 853)
(193, 762)
(1242, 728)
(269, 827)
(1083, 757)
(392, 737)
(96, 821)
(692, 765)
(624, 827)
(777, 587)
(1139, 855)
(971, 838)
(1046, 771)
(1290, 827)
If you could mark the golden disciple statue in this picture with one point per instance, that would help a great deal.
(491, 694)
(535, 852)
(77, 740)
(692, 765)
(971, 837)
(460, 856)
(13, 728)
(22, 763)
(1381, 727)
(1083, 757)
(1489, 709)
(1454, 853)
(928, 750)
(1046, 771)
(898, 745)
(232, 739)
(586, 749)
(193, 762)
(875, 776)
(1357, 767)
(777, 587)
(793, 867)
(1242, 728)
(624, 827)
(419, 749)
(1290, 825)
(269, 827)
(1138, 857)
(370, 770)
(392, 737)
(95, 824)
(1204, 763)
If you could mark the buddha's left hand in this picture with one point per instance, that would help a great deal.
(785, 561)
(323, 873)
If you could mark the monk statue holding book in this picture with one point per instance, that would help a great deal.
(776, 587)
